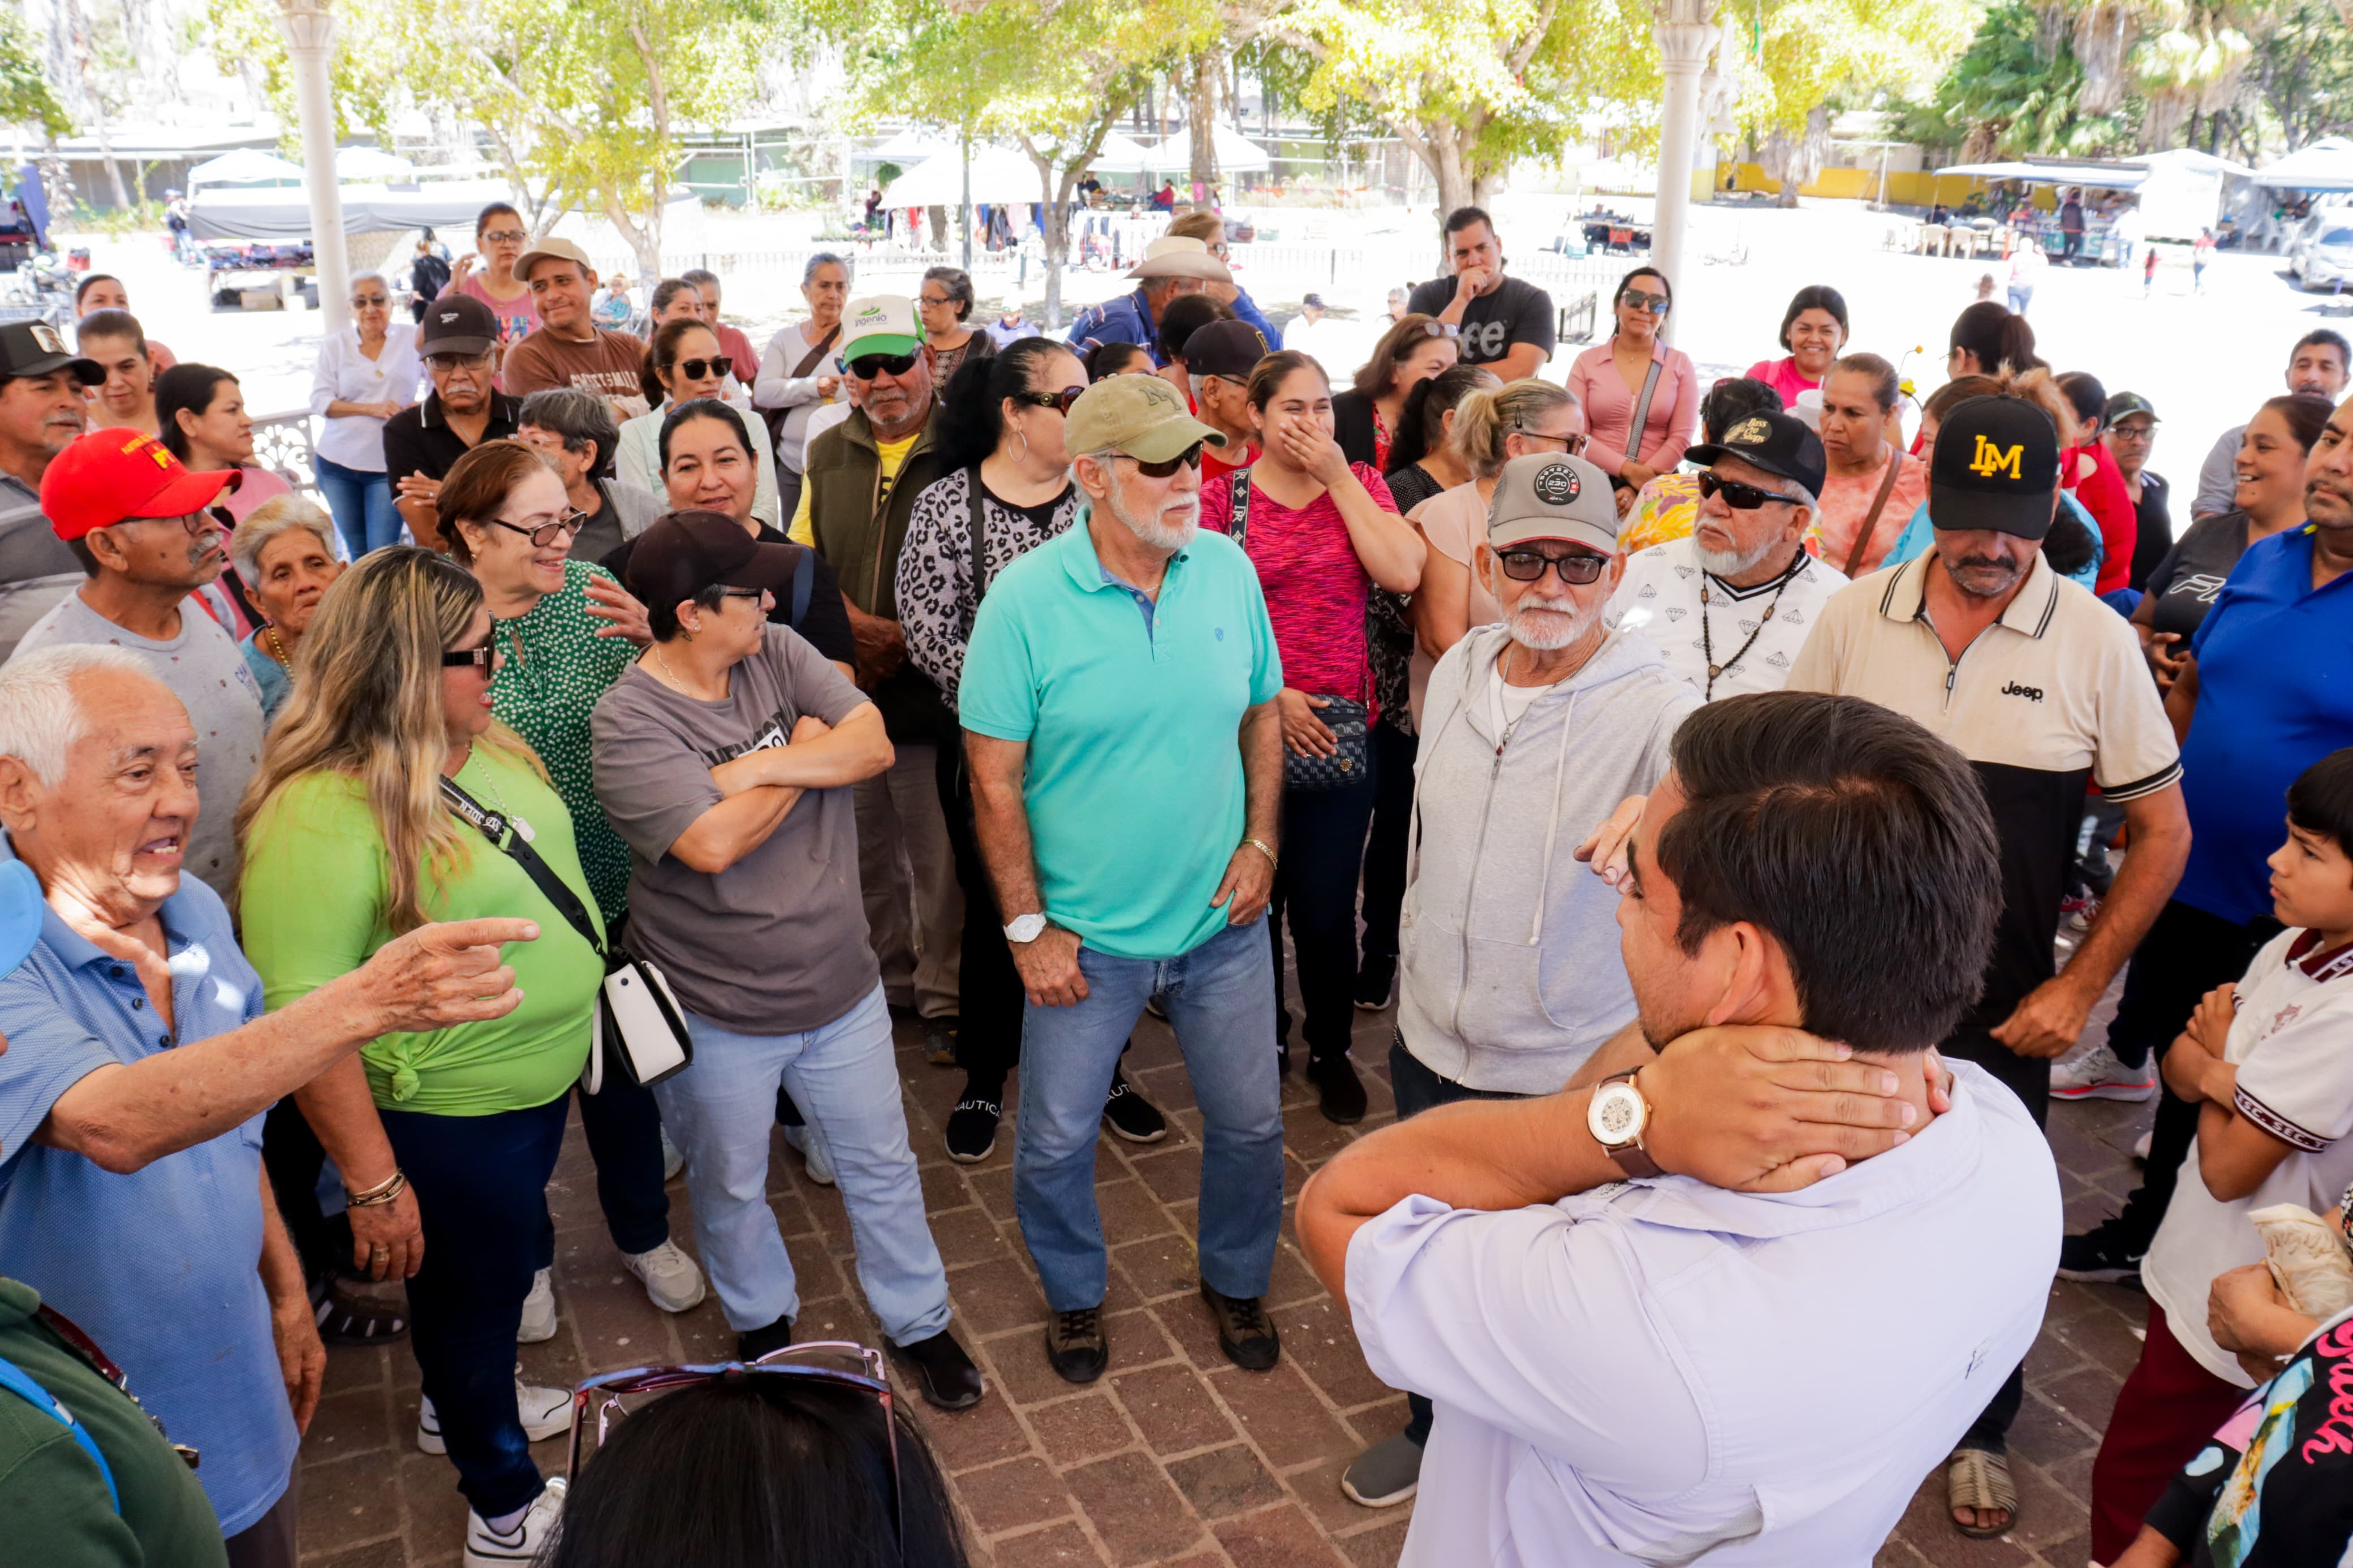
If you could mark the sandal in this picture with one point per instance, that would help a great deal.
(348, 1318)
(1979, 1478)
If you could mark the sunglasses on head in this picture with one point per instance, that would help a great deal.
(696, 368)
(1441, 329)
(1190, 457)
(1062, 400)
(866, 367)
(1529, 566)
(1657, 304)
(1740, 497)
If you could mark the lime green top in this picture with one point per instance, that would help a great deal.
(313, 899)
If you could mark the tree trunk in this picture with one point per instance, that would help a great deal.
(1059, 186)
(644, 238)
(1201, 111)
(106, 150)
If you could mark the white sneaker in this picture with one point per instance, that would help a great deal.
(2096, 1074)
(673, 1157)
(672, 1281)
(488, 1548)
(2140, 1147)
(545, 1411)
(810, 1143)
(538, 1310)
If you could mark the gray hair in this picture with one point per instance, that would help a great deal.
(848, 268)
(576, 419)
(1102, 459)
(378, 279)
(273, 517)
(41, 721)
(698, 276)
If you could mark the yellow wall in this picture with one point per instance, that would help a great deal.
(1921, 189)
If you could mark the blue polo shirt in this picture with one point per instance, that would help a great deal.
(161, 1265)
(1134, 784)
(2274, 696)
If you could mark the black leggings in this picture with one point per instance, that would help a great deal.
(1315, 885)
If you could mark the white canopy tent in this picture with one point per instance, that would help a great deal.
(2323, 166)
(1121, 155)
(1235, 153)
(912, 145)
(246, 166)
(368, 164)
(999, 174)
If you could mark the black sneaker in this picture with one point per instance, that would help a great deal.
(1244, 1330)
(972, 1125)
(753, 1343)
(1342, 1092)
(1376, 983)
(940, 1040)
(1076, 1347)
(2104, 1255)
(944, 1371)
(1131, 1115)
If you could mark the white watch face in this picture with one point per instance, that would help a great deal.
(1026, 927)
(1615, 1113)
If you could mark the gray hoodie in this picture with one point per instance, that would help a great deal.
(1512, 973)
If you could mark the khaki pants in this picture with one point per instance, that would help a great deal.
(915, 908)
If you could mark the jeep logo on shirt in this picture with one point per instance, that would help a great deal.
(2031, 693)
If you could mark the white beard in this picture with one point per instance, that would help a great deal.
(1730, 563)
(1155, 532)
(1544, 625)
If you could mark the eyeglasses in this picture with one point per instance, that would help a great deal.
(1441, 329)
(456, 362)
(836, 1362)
(866, 367)
(696, 368)
(1190, 457)
(1740, 497)
(1529, 566)
(1657, 304)
(542, 534)
(503, 236)
(760, 594)
(484, 658)
(2142, 433)
(198, 523)
(1062, 400)
(370, 300)
(936, 304)
(1572, 445)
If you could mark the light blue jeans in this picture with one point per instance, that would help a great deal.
(1220, 1001)
(361, 503)
(721, 1111)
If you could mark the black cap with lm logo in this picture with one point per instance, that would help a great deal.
(1996, 468)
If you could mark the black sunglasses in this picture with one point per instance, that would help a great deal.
(1527, 566)
(1657, 304)
(547, 533)
(743, 593)
(485, 657)
(455, 361)
(696, 368)
(1190, 457)
(1740, 497)
(866, 367)
(1062, 400)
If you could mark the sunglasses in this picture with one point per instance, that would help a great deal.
(834, 1361)
(1527, 566)
(696, 368)
(1062, 400)
(1441, 329)
(546, 533)
(1657, 304)
(484, 658)
(1190, 457)
(370, 300)
(866, 367)
(1737, 496)
(1572, 445)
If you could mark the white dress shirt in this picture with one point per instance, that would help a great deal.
(1659, 597)
(1661, 1372)
(343, 374)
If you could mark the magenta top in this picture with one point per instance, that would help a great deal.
(1609, 408)
(1316, 588)
(1784, 377)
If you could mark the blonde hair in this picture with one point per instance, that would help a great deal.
(278, 515)
(2040, 388)
(1484, 420)
(366, 704)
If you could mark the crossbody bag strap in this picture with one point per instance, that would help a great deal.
(508, 840)
(1634, 432)
(804, 584)
(1871, 518)
(817, 354)
(14, 1379)
(1238, 490)
(975, 536)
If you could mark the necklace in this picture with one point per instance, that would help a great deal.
(1707, 637)
(278, 649)
(655, 648)
(498, 798)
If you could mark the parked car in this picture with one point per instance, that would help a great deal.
(2323, 256)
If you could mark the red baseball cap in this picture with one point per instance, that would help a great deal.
(108, 477)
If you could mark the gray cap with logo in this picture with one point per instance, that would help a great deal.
(1550, 495)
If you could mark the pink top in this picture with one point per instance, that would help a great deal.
(1609, 408)
(1846, 501)
(518, 317)
(1784, 377)
(1316, 588)
(1454, 522)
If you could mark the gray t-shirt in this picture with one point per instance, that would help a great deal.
(2183, 586)
(207, 673)
(36, 570)
(776, 943)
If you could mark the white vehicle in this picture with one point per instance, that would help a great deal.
(2322, 255)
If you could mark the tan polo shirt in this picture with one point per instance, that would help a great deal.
(2054, 695)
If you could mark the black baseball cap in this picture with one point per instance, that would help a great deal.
(1776, 442)
(457, 324)
(34, 348)
(2124, 404)
(686, 552)
(1996, 468)
(1226, 349)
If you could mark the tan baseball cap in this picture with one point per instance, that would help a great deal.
(1140, 415)
(552, 249)
(1174, 255)
(1550, 495)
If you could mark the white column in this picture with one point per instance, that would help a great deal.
(1685, 38)
(310, 43)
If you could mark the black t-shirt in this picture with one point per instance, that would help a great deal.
(1410, 486)
(1041, 516)
(826, 625)
(2184, 583)
(2154, 537)
(418, 440)
(1516, 313)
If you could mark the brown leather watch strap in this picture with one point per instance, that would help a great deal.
(1631, 1158)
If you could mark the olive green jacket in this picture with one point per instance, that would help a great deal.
(860, 532)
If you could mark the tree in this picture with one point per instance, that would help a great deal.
(2302, 71)
(26, 97)
(2016, 88)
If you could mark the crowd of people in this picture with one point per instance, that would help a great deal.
(1737, 796)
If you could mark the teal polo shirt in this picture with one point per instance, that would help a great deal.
(1131, 711)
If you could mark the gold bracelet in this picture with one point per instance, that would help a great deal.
(384, 1191)
(1262, 849)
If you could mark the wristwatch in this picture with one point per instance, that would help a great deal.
(1616, 1116)
(1025, 929)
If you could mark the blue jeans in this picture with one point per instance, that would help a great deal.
(845, 1079)
(481, 1189)
(362, 504)
(1220, 1001)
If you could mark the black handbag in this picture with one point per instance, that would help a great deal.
(1348, 719)
(636, 1013)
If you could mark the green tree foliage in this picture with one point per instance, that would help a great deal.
(25, 98)
(2015, 90)
(2302, 72)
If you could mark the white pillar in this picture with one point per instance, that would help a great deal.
(310, 43)
(1685, 38)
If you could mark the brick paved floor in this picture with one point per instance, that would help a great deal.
(1174, 1457)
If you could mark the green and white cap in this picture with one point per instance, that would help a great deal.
(880, 324)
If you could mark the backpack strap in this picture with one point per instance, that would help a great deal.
(804, 581)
